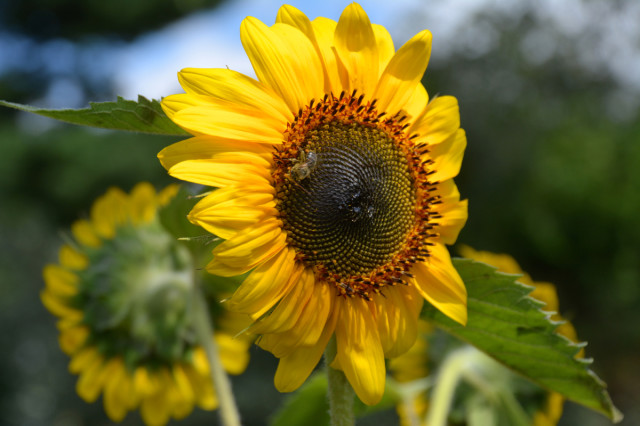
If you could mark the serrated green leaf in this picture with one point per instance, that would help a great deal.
(145, 116)
(508, 325)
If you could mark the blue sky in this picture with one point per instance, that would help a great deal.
(211, 39)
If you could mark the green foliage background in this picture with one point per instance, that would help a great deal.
(550, 171)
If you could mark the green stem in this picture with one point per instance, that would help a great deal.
(228, 410)
(445, 388)
(339, 392)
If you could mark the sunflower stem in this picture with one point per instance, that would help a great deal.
(228, 410)
(340, 392)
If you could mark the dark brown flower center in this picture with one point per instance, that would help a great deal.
(353, 206)
(352, 192)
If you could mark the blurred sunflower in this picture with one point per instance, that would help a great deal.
(534, 405)
(121, 292)
(335, 189)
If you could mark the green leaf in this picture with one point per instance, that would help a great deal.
(508, 325)
(144, 116)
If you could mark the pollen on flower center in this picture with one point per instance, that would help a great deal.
(353, 194)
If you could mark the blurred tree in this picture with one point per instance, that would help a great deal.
(76, 20)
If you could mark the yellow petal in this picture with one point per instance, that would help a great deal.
(248, 249)
(155, 409)
(285, 60)
(84, 233)
(285, 343)
(60, 281)
(174, 103)
(309, 325)
(416, 103)
(403, 74)
(84, 359)
(142, 203)
(108, 212)
(167, 194)
(440, 120)
(286, 313)
(397, 318)
(182, 382)
(229, 210)
(291, 16)
(355, 43)
(234, 352)
(72, 258)
(438, 281)
(71, 339)
(206, 147)
(58, 305)
(260, 290)
(335, 72)
(202, 387)
(359, 351)
(546, 292)
(233, 86)
(128, 395)
(220, 174)
(454, 217)
(144, 382)
(448, 156)
(385, 46)
(182, 395)
(294, 369)
(114, 400)
(230, 122)
(453, 212)
(93, 379)
(321, 34)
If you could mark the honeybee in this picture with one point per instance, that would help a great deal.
(303, 166)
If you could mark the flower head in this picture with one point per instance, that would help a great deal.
(335, 189)
(121, 293)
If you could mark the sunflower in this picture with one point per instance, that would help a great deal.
(335, 192)
(120, 292)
